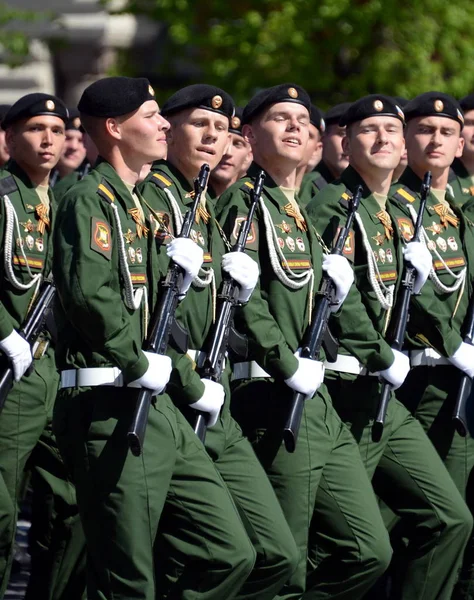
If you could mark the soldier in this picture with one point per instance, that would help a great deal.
(326, 461)
(74, 151)
(102, 275)
(401, 102)
(461, 175)
(4, 154)
(314, 147)
(434, 341)
(334, 161)
(235, 161)
(200, 117)
(34, 128)
(411, 477)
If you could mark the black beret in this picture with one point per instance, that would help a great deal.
(334, 114)
(33, 105)
(4, 108)
(375, 105)
(434, 104)
(286, 92)
(200, 95)
(236, 121)
(316, 118)
(467, 103)
(74, 121)
(115, 96)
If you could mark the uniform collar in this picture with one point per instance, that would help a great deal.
(351, 179)
(324, 171)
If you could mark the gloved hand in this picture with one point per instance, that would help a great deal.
(158, 373)
(188, 255)
(463, 359)
(420, 257)
(211, 401)
(244, 270)
(19, 352)
(396, 373)
(340, 271)
(308, 376)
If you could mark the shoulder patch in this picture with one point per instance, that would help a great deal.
(106, 191)
(252, 237)
(161, 180)
(349, 246)
(101, 239)
(247, 187)
(403, 196)
(8, 185)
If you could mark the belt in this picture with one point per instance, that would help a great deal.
(198, 356)
(248, 370)
(92, 377)
(348, 364)
(428, 357)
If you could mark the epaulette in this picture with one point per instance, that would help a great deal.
(344, 199)
(161, 180)
(247, 186)
(8, 185)
(404, 196)
(106, 191)
(320, 183)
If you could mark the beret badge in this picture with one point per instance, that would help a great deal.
(438, 105)
(378, 105)
(50, 105)
(235, 122)
(77, 122)
(292, 93)
(216, 102)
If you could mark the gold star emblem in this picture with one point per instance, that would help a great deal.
(378, 105)
(436, 228)
(379, 239)
(284, 227)
(29, 226)
(216, 102)
(129, 236)
(77, 122)
(438, 105)
(50, 105)
(292, 93)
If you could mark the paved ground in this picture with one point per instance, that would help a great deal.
(19, 580)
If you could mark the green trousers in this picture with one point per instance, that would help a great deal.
(26, 441)
(430, 394)
(326, 464)
(410, 478)
(121, 499)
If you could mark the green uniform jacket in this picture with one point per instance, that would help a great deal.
(440, 317)
(195, 312)
(461, 182)
(37, 249)
(90, 282)
(314, 182)
(277, 316)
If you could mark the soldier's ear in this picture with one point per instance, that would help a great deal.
(346, 145)
(248, 134)
(113, 128)
(460, 147)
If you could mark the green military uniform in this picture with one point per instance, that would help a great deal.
(68, 181)
(314, 182)
(411, 477)
(325, 464)
(167, 193)
(461, 182)
(25, 422)
(430, 393)
(102, 244)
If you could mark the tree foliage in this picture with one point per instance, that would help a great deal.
(337, 49)
(14, 42)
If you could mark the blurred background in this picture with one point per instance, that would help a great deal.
(338, 49)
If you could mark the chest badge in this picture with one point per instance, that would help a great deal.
(28, 226)
(386, 221)
(284, 227)
(379, 239)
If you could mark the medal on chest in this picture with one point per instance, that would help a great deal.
(386, 221)
(446, 215)
(142, 230)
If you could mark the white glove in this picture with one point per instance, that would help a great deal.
(244, 270)
(158, 373)
(463, 359)
(420, 257)
(396, 374)
(211, 401)
(19, 352)
(188, 255)
(340, 271)
(308, 376)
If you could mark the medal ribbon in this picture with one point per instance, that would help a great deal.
(141, 228)
(42, 212)
(293, 210)
(446, 216)
(386, 221)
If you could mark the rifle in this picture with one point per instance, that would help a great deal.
(314, 336)
(30, 330)
(463, 403)
(218, 338)
(162, 320)
(398, 326)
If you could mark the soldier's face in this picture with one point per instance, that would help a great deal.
(280, 134)
(375, 143)
(433, 143)
(74, 151)
(468, 134)
(4, 154)
(36, 143)
(314, 149)
(143, 134)
(333, 153)
(197, 136)
(235, 162)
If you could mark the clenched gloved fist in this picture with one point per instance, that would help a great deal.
(308, 376)
(396, 373)
(420, 257)
(244, 270)
(189, 256)
(463, 359)
(211, 401)
(158, 373)
(340, 271)
(19, 352)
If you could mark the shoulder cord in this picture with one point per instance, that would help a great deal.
(459, 278)
(207, 277)
(384, 293)
(11, 222)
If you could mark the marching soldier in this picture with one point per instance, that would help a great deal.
(326, 462)
(461, 175)
(437, 352)
(314, 148)
(200, 117)
(34, 128)
(103, 277)
(73, 157)
(410, 475)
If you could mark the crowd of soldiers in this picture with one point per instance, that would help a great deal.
(95, 198)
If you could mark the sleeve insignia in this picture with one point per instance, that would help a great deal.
(252, 241)
(349, 247)
(101, 239)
